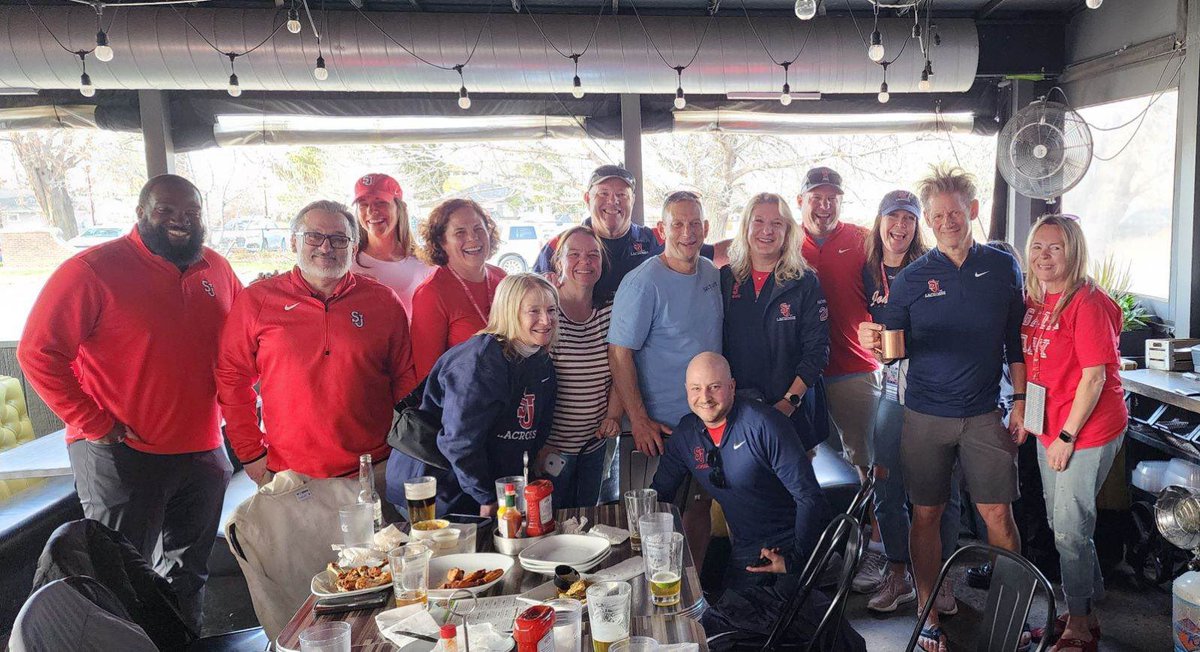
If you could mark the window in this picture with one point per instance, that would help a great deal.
(522, 233)
(1125, 204)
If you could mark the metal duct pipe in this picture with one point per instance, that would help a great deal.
(156, 50)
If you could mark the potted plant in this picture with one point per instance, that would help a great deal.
(1114, 278)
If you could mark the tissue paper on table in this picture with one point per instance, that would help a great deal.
(414, 618)
(622, 572)
(614, 535)
(678, 647)
(350, 557)
(573, 525)
(389, 538)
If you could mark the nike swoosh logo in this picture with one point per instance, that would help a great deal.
(291, 306)
(739, 444)
(978, 274)
(842, 251)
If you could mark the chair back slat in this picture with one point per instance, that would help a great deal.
(1008, 603)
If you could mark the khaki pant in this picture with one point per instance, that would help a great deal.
(853, 402)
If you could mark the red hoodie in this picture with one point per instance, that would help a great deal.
(330, 371)
(119, 333)
(839, 262)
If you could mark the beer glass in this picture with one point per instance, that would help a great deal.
(410, 574)
(358, 524)
(655, 523)
(421, 496)
(638, 502)
(663, 556)
(608, 610)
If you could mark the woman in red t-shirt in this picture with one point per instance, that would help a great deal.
(1069, 336)
(455, 301)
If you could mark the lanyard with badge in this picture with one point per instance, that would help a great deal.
(1035, 392)
(487, 284)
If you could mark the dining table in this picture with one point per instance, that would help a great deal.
(674, 624)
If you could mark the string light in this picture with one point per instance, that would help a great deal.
(680, 100)
(293, 21)
(806, 9)
(103, 52)
(234, 89)
(876, 51)
(884, 95)
(576, 83)
(926, 84)
(321, 72)
(1094, 4)
(937, 36)
(785, 98)
(85, 81)
(464, 98)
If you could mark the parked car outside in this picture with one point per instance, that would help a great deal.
(94, 235)
(250, 234)
(519, 251)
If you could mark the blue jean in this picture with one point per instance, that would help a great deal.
(891, 508)
(578, 483)
(1071, 509)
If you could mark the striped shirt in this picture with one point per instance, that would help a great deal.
(584, 380)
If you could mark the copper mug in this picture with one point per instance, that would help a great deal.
(892, 344)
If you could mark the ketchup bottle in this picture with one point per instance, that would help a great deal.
(539, 508)
(533, 630)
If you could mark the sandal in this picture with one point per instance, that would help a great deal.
(933, 639)
(1060, 624)
(1076, 644)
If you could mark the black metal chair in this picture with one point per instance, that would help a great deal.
(1010, 598)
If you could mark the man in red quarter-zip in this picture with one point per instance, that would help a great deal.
(330, 350)
(121, 345)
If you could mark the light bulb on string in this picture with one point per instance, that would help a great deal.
(576, 83)
(103, 52)
(785, 97)
(293, 21)
(805, 9)
(937, 36)
(924, 85)
(464, 98)
(884, 95)
(86, 88)
(680, 100)
(1094, 4)
(876, 51)
(321, 73)
(234, 89)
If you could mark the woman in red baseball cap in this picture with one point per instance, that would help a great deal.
(387, 252)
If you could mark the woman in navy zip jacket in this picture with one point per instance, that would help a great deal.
(776, 329)
(494, 396)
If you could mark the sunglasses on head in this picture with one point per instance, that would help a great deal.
(717, 473)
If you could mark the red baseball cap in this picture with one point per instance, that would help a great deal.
(377, 186)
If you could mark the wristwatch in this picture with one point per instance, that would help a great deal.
(794, 399)
(1066, 437)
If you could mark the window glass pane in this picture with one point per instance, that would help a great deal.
(522, 233)
(1125, 205)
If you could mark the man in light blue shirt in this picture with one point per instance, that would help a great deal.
(666, 312)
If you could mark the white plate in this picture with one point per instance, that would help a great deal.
(576, 562)
(324, 585)
(569, 549)
(543, 569)
(470, 562)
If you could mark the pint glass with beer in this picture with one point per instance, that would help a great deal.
(421, 496)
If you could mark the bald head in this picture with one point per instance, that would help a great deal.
(710, 388)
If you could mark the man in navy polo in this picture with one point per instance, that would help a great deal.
(747, 457)
(960, 306)
(609, 199)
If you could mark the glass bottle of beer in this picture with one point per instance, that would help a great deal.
(510, 522)
(366, 488)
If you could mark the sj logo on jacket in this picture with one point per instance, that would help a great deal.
(526, 413)
(701, 457)
(208, 288)
(935, 289)
(785, 313)
(356, 318)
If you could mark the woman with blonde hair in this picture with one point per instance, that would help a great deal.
(1069, 337)
(494, 397)
(455, 302)
(386, 252)
(776, 334)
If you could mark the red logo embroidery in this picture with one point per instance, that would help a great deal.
(525, 411)
(785, 310)
(701, 458)
(638, 248)
(737, 292)
(934, 286)
(824, 176)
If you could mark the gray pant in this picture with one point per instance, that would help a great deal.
(168, 506)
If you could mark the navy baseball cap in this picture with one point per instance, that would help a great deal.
(817, 177)
(900, 200)
(612, 172)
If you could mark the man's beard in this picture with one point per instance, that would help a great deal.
(312, 269)
(159, 242)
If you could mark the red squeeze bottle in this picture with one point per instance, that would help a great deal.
(539, 509)
(533, 630)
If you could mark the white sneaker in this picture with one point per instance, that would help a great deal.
(895, 590)
(944, 601)
(870, 573)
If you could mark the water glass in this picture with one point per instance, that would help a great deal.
(655, 523)
(608, 612)
(326, 637)
(518, 483)
(568, 624)
(410, 574)
(637, 503)
(358, 524)
(635, 644)
(663, 555)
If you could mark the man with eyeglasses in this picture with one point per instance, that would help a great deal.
(746, 456)
(330, 351)
(121, 344)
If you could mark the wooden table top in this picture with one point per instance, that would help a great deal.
(44, 457)
(675, 624)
